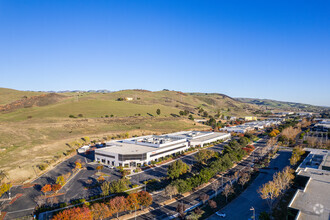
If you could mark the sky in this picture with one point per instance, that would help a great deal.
(259, 49)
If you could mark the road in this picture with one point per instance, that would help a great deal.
(163, 212)
(240, 208)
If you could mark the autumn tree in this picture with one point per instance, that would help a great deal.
(78, 165)
(171, 190)
(46, 188)
(100, 179)
(132, 202)
(56, 187)
(99, 168)
(4, 188)
(81, 213)
(176, 169)
(100, 211)
(227, 191)
(60, 180)
(269, 192)
(144, 198)
(86, 139)
(297, 152)
(117, 204)
(283, 179)
(244, 179)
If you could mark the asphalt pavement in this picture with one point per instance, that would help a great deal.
(239, 208)
(164, 212)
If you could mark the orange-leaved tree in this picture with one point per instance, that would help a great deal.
(46, 188)
(81, 213)
(117, 204)
(145, 199)
(132, 202)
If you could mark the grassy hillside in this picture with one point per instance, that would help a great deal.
(10, 95)
(35, 127)
(280, 105)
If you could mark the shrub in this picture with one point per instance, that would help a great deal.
(42, 166)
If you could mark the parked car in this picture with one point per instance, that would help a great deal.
(220, 214)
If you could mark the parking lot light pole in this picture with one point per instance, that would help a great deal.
(135, 211)
(254, 212)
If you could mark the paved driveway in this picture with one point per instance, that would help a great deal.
(239, 209)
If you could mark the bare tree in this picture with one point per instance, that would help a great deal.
(312, 141)
(204, 197)
(213, 204)
(180, 209)
(170, 191)
(227, 191)
(52, 201)
(215, 186)
(244, 179)
(236, 175)
(40, 200)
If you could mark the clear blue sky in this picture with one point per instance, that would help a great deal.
(264, 49)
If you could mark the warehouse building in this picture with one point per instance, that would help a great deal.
(140, 151)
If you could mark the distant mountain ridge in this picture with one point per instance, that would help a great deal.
(282, 105)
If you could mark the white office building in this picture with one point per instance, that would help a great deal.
(139, 151)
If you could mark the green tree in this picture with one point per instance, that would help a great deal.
(119, 186)
(191, 117)
(176, 169)
(203, 155)
(158, 111)
(105, 187)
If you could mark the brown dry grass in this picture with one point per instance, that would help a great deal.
(33, 142)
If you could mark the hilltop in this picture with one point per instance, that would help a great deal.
(281, 105)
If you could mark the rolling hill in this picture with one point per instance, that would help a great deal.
(36, 126)
(281, 105)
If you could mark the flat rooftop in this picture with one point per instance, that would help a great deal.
(314, 201)
(127, 148)
(209, 137)
(314, 159)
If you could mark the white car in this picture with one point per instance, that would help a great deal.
(220, 214)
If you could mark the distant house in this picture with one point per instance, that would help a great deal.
(128, 98)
